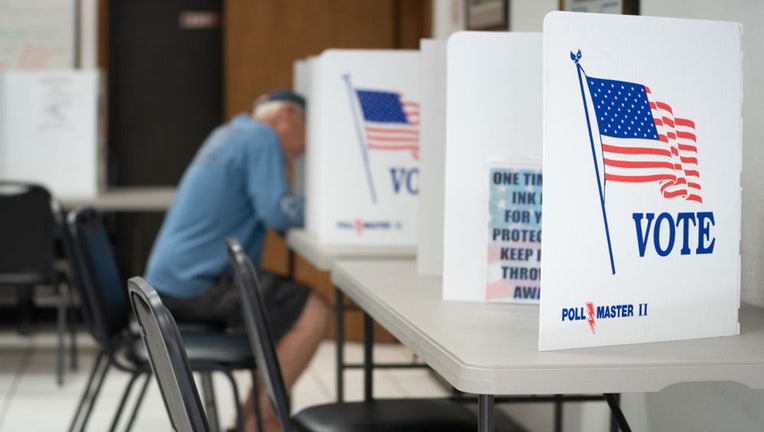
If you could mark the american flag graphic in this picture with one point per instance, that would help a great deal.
(390, 123)
(642, 141)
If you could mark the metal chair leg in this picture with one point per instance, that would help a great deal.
(90, 394)
(71, 318)
(258, 411)
(123, 400)
(25, 306)
(208, 397)
(73, 363)
(61, 330)
(239, 413)
(138, 402)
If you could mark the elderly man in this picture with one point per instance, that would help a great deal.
(236, 186)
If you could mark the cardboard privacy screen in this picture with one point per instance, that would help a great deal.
(493, 116)
(362, 150)
(432, 151)
(642, 165)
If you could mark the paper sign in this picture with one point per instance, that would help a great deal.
(49, 130)
(513, 270)
(362, 157)
(642, 164)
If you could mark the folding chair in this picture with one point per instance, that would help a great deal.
(27, 256)
(168, 358)
(401, 415)
(104, 298)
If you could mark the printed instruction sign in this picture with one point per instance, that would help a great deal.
(642, 165)
(513, 272)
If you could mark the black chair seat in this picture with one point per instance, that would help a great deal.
(406, 415)
(229, 349)
(28, 236)
(382, 415)
(24, 279)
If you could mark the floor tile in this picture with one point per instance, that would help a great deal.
(31, 400)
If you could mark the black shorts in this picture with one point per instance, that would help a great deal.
(284, 302)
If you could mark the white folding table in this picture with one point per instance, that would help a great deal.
(491, 349)
(323, 258)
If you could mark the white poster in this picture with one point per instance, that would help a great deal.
(38, 34)
(642, 165)
(49, 130)
(362, 157)
(493, 116)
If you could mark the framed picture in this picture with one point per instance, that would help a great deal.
(625, 7)
(487, 15)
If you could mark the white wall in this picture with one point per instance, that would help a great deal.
(447, 18)
(528, 15)
(524, 15)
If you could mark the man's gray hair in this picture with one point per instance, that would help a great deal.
(267, 108)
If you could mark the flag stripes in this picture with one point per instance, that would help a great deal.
(642, 141)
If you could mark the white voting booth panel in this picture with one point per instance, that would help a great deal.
(493, 119)
(433, 156)
(48, 130)
(301, 84)
(362, 150)
(642, 165)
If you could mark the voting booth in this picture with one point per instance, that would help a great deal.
(492, 225)
(49, 130)
(432, 153)
(362, 146)
(642, 168)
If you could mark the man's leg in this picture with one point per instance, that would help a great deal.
(294, 351)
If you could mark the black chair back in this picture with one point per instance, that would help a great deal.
(168, 358)
(259, 330)
(99, 280)
(27, 233)
(75, 261)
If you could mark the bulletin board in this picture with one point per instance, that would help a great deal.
(38, 34)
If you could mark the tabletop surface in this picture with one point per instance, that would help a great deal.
(322, 257)
(492, 348)
(148, 198)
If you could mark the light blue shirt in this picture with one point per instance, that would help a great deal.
(236, 186)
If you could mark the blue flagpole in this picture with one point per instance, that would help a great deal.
(361, 140)
(576, 57)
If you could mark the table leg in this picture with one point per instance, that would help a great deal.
(63, 296)
(615, 408)
(339, 339)
(485, 411)
(558, 399)
(368, 357)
